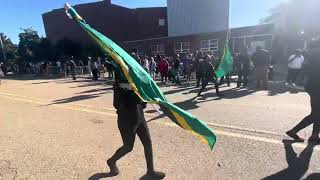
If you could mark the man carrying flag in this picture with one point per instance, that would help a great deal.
(226, 62)
(225, 66)
(131, 121)
(133, 89)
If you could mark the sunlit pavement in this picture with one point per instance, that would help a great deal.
(61, 129)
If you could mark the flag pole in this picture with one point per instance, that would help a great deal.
(2, 47)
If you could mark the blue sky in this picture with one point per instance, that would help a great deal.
(16, 14)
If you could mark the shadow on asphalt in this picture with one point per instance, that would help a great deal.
(297, 165)
(75, 99)
(89, 83)
(146, 177)
(28, 77)
(99, 176)
(278, 87)
(107, 90)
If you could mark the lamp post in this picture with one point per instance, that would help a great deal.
(2, 47)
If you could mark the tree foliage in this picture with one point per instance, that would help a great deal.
(10, 49)
(32, 48)
(29, 41)
(296, 18)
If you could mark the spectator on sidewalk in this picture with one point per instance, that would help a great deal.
(110, 68)
(73, 68)
(59, 70)
(294, 67)
(163, 69)
(81, 65)
(244, 68)
(261, 59)
(153, 66)
(146, 64)
(176, 69)
(95, 70)
(198, 67)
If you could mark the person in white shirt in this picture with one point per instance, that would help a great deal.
(294, 67)
(59, 66)
(153, 66)
(146, 65)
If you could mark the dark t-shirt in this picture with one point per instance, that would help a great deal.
(124, 98)
(244, 60)
(176, 64)
(261, 58)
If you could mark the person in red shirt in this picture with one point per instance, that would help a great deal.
(164, 68)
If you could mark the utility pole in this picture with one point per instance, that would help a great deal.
(2, 47)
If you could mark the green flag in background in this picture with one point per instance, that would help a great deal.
(142, 83)
(226, 62)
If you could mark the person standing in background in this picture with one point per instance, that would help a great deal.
(89, 66)
(244, 68)
(175, 69)
(199, 67)
(261, 59)
(153, 66)
(294, 67)
(146, 64)
(81, 67)
(164, 69)
(73, 68)
(312, 87)
(95, 70)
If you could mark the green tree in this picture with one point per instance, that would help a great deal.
(295, 20)
(29, 42)
(10, 49)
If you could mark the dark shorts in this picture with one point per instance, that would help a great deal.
(130, 118)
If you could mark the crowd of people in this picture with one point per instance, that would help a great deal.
(199, 66)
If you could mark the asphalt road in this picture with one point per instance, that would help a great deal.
(61, 129)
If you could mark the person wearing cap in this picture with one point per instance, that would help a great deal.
(295, 63)
(131, 122)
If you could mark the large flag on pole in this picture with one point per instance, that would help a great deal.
(143, 85)
(226, 62)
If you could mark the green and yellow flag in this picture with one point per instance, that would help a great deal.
(226, 62)
(143, 85)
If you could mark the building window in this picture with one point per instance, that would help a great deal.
(138, 51)
(209, 45)
(183, 47)
(158, 49)
(162, 22)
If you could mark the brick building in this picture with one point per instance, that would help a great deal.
(212, 43)
(117, 22)
(145, 30)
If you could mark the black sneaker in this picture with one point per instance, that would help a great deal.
(155, 175)
(114, 170)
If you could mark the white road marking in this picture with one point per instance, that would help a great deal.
(218, 132)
